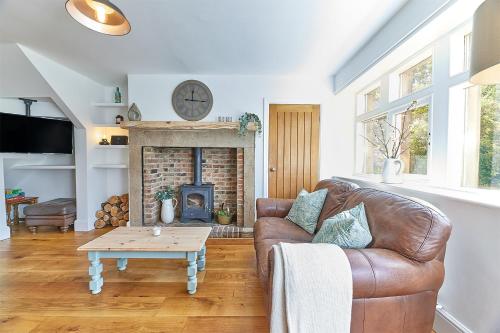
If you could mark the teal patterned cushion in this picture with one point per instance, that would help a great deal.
(306, 209)
(348, 229)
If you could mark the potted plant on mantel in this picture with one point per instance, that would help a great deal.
(391, 141)
(246, 119)
(167, 197)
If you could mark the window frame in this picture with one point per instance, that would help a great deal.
(361, 98)
(394, 75)
(391, 117)
(446, 125)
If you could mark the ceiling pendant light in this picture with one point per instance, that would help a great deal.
(99, 15)
(485, 55)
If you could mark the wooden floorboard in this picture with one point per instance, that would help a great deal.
(44, 288)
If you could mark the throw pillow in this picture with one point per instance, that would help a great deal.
(348, 229)
(306, 209)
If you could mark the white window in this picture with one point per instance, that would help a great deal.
(481, 167)
(414, 126)
(373, 152)
(460, 49)
(416, 78)
(467, 51)
(372, 99)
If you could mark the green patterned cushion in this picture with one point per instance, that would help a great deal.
(306, 209)
(348, 229)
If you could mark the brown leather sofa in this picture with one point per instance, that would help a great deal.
(396, 279)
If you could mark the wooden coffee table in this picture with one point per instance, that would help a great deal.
(123, 243)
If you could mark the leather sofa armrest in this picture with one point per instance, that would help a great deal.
(270, 207)
(385, 273)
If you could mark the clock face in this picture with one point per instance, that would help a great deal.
(192, 100)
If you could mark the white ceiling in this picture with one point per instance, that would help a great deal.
(264, 37)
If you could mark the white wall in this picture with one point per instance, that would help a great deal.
(233, 96)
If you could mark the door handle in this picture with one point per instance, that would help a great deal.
(272, 169)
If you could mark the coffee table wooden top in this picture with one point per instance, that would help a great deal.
(172, 239)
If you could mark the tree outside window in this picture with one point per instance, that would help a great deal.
(415, 148)
(372, 99)
(373, 158)
(416, 78)
(482, 137)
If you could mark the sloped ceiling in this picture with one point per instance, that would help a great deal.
(265, 37)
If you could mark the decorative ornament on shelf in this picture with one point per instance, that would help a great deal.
(118, 119)
(247, 118)
(134, 114)
(104, 141)
(167, 198)
(391, 141)
(118, 95)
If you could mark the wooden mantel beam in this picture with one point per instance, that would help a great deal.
(183, 125)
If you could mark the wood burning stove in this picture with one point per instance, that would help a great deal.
(197, 199)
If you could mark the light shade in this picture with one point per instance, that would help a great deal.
(485, 55)
(99, 15)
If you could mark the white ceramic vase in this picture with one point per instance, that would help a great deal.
(393, 171)
(168, 210)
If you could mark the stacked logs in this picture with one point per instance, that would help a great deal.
(113, 212)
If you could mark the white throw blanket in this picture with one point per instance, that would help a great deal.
(312, 289)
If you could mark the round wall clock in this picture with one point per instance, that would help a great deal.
(192, 100)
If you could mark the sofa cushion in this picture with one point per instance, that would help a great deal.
(334, 199)
(348, 229)
(279, 228)
(306, 209)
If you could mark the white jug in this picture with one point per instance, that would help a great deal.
(393, 171)
(168, 210)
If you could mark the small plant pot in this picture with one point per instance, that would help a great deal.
(223, 219)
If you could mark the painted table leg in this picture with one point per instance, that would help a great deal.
(95, 271)
(202, 258)
(191, 272)
(121, 263)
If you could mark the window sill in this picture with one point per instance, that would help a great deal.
(486, 198)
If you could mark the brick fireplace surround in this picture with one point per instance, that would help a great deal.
(222, 167)
(160, 153)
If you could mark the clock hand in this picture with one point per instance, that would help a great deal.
(194, 100)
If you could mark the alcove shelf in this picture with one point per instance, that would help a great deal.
(110, 166)
(43, 167)
(107, 125)
(112, 147)
(110, 105)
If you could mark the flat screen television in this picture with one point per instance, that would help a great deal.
(22, 134)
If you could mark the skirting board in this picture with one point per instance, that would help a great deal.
(446, 323)
(84, 225)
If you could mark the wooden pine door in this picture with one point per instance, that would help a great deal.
(293, 149)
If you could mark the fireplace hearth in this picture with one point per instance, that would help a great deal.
(197, 199)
